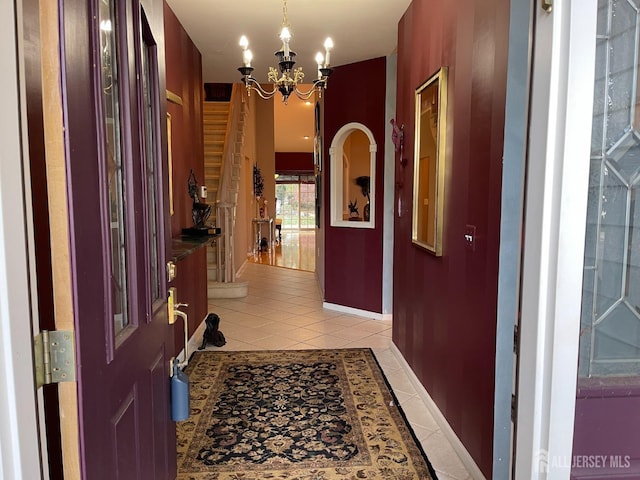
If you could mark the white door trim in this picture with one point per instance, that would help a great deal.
(19, 437)
(555, 212)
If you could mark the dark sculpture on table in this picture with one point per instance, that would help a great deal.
(364, 182)
(200, 212)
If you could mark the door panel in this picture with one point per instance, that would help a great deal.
(160, 421)
(125, 427)
(608, 399)
(116, 166)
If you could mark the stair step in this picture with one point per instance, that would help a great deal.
(216, 106)
(214, 135)
(227, 290)
(217, 125)
(215, 114)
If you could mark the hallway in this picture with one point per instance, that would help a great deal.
(296, 250)
(283, 311)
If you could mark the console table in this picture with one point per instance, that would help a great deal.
(258, 223)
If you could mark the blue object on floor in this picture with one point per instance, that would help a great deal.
(179, 394)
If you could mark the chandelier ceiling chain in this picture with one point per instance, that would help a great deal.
(285, 78)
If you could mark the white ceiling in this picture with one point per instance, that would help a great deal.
(360, 29)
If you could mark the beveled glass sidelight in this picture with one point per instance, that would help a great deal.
(429, 163)
(111, 110)
(610, 323)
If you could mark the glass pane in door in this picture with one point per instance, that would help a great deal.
(151, 157)
(610, 323)
(607, 424)
(113, 152)
(288, 198)
(295, 202)
(307, 205)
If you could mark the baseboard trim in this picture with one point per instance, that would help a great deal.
(458, 446)
(194, 342)
(357, 311)
(242, 267)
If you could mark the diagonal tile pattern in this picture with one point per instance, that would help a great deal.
(283, 311)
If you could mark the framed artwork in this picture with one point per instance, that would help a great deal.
(429, 163)
(318, 199)
(317, 153)
(170, 166)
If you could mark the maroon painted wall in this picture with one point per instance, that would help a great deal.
(444, 309)
(184, 78)
(353, 256)
(191, 284)
(294, 163)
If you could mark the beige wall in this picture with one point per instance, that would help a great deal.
(265, 152)
(245, 209)
(356, 150)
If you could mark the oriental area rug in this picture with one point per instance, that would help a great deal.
(295, 415)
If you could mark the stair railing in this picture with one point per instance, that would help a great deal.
(226, 199)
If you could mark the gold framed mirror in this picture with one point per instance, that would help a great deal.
(429, 163)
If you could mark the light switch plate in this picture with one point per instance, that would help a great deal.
(470, 237)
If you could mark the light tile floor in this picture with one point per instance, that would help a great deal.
(283, 311)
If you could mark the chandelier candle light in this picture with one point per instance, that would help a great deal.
(288, 79)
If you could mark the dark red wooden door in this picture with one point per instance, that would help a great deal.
(113, 86)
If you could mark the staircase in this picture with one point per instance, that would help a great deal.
(215, 117)
(224, 124)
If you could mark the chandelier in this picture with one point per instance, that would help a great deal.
(286, 79)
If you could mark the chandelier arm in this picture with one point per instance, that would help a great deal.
(252, 84)
(305, 95)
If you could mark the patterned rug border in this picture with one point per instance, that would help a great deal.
(401, 410)
(376, 362)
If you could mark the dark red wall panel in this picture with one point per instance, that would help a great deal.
(294, 163)
(184, 78)
(353, 268)
(444, 308)
(191, 284)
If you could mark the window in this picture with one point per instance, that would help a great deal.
(295, 201)
(353, 166)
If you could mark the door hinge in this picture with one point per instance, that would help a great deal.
(547, 5)
(516, 339)
(54, 353)
(514, 408)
